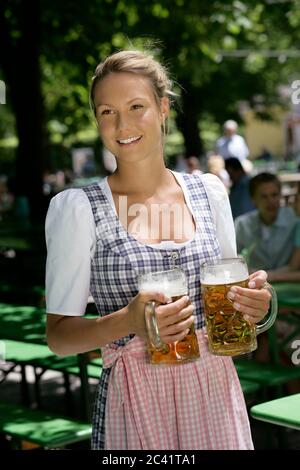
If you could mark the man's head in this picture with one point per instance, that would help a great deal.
(234, 168)
(265, 191)
(192, 164)
(230, 127)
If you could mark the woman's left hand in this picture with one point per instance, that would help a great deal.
(254, 301)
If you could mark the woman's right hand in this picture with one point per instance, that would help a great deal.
(174, 319)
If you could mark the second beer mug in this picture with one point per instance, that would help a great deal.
(229, 334)
(173, 284)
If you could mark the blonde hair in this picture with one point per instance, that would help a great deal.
(140, 63)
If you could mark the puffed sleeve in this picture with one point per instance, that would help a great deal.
(222, 215)
(70, 240)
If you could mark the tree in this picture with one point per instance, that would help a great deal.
(51, 48)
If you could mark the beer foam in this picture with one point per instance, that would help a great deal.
(169, 289)
(223, 275)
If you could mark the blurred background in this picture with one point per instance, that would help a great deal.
(229, 60)
(236, 60)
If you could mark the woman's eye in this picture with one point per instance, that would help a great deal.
(137, 106)
(105, 112)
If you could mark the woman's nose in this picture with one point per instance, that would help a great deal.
(122, 121)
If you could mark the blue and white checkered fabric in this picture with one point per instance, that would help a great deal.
(119, 259)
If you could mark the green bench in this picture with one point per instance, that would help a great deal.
(267, 375)
(39, 355)
(249, 387)
(42, 359)
(283, 411)
(44, 429)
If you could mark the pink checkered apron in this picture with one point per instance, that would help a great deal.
(197, 405)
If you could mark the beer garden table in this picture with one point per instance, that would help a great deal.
(288, 295)
(28, 324)
(284, 411)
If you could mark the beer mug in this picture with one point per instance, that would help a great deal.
(172, 283)
(229, 334)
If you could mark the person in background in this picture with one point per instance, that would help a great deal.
(231, 144)
(193, 165)
(291, 271)
(267, 235)
(216, 166)
(297, 202)
(239, 196)
(195, 405)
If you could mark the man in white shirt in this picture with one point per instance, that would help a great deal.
(232, 144)
(266, 236)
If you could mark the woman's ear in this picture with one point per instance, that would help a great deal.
(165, 107)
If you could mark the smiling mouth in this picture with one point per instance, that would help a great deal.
(129, 141)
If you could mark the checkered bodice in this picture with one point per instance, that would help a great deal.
(119, 258)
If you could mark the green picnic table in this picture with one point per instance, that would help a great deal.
(28, 324)
(288, 294)
(284, 411)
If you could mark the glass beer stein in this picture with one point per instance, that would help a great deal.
(172, 283)
(229, 334)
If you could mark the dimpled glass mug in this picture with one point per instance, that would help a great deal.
(229, 334)
(172, 283)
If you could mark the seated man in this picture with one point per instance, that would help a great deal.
(267, 235)
(291, 271)
(268, 239)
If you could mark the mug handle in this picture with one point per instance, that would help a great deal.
(273, 313)
(151, 326)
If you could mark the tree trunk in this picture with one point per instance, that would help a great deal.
(187, 122)
(22, 71)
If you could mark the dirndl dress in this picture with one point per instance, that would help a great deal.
(196, 405)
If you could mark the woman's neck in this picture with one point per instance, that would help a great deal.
(139, 180)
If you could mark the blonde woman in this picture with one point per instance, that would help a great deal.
(97, 241)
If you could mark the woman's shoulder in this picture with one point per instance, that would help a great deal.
(214, 186)
(70, 204)
(69, 199)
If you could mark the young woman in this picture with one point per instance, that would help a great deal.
(102, 237)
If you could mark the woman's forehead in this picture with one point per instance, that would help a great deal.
(122, 85)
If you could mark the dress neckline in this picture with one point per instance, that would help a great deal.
(164, 244)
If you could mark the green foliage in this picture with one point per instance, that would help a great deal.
(194, 38)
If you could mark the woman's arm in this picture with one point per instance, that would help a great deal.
(67, 335)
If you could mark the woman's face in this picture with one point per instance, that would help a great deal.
(128, 116)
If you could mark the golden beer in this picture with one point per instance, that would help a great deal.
(173, 353)
(174, 285)
(228, 332)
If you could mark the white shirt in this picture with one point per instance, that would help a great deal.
(71, 241)
(234, 146)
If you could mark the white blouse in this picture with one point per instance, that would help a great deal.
(71, 241)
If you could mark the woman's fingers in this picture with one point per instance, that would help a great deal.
(257, 279)
(255, 295)
(253, 303)
(175, 319)
(251, 314)
(174, 311)
(177, 331)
